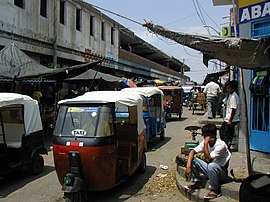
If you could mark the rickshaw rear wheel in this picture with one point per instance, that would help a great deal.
(142, 166)
(37, 164)
(162, 135)
(180, 115)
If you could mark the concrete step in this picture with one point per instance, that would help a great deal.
(230, 191)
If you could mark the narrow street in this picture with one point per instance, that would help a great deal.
(147, 187)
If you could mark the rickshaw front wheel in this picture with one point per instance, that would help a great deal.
(142, 166)
(37, 164)
(74, 197)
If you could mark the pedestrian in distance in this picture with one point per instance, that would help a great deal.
(212, 166)
(37, 95)
(212, 91)
(231, 119)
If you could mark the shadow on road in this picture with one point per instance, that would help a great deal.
(16, 180)
(125, 190)
(157, 143)
(175, 119)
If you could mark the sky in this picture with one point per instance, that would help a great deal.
(189, 16)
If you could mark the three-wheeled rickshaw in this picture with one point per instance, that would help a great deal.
(173, 100)
(99, 140)
(153, 112)
(21, 137)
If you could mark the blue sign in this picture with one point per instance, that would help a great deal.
(255, 11)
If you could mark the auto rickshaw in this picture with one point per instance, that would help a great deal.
(99, 140)
(153, 112)
(173, 100)
(186, 93)
(21, 137)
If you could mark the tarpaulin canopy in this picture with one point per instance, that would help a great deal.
(14, 63)
(240, 52)
(93, 74)
(216, 75)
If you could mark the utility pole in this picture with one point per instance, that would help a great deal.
(183, 69)
(55, 33)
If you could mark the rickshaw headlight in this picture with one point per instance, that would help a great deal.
(69, 179)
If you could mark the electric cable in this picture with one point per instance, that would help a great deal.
(189, 53)
(208, 16)
(116, 14)
(199, 8)
(180, 19)
(201, 19)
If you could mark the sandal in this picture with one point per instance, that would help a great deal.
(212, 195)
(196, 185)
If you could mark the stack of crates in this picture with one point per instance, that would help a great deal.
(201, 98)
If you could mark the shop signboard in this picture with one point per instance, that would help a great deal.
(253, 9)
(228, 31)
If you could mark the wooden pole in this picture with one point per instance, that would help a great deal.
(249, 168)
(245, 115)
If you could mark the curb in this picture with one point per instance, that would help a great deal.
(230, 191)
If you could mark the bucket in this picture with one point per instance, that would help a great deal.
(191, 144)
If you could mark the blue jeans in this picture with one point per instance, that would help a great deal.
(212, 171)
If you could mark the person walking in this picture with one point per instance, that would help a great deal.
(214, 166)
(231, 119)
(212, 91)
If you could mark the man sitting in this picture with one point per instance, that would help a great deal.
(215, 163)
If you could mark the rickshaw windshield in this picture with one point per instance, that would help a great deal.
(13, 123)
(84, 121)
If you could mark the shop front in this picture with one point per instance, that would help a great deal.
(254, 22)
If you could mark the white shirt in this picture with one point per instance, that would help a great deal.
(219, 152)
(232, 103)
(212, 89)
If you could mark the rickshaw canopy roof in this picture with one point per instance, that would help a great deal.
(147, 91)
(120, 98)
(170, 88)
(128, 99)
(32, 119)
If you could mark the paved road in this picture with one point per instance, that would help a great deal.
(147, 187)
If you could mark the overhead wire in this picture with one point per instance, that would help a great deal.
(208, 16)
(199, 8)
(197, 4)
(116, 14)
(200, 17)
(181, 19)
(189, 53)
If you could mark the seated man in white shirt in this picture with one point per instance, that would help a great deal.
(215, 163)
